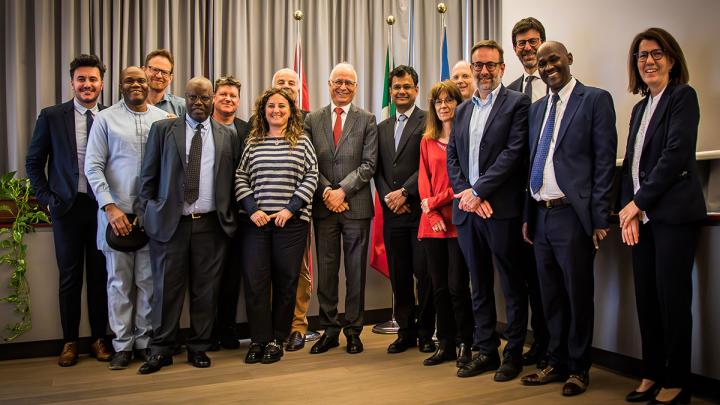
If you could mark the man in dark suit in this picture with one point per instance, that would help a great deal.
(186, 206)
(573, 144)
(345, 140)
(527, 35)
(225, 104)
(487, 166)
(59, 141)
(396, 182)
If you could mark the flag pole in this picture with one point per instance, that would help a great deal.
(298, 16)
(444, 65)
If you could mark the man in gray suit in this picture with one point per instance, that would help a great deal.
(345, 140)
(185, 203)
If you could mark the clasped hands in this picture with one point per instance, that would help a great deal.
(260, 218)
(630, 224)
(397, 202)
(469, 202)
(335, 200)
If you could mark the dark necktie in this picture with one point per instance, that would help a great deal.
(399, 130)
(192, 172)
(89, 117)
(337, 129)
(528, 86)
(543, 148)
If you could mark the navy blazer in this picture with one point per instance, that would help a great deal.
(53, 143)
(517, 84)
(670, 190)
(503, 155)
(160, 201)
(585, 151)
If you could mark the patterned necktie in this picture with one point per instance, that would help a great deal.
(192, 171)
(543, 148)
(528, 86)
(337, 129)
(399, 130)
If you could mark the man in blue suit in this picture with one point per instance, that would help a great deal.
(573, 144)
(59, 141)
(486, 159)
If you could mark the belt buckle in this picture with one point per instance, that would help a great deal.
(195, 216)
(548, 204)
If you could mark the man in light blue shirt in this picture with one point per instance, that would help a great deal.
(112, 166)
(159, 66)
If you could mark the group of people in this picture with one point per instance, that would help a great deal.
(514, 180)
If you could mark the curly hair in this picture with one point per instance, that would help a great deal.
(260, 127)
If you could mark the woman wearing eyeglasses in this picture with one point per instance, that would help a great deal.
(663, 206)
(274, 185)
(437, 234)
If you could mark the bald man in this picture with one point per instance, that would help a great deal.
(185, 205)
(462, 76)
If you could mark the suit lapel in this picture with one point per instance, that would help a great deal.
(178, 130)
(635, 127)
(327, 126)
(576, 98)
(347, 128)
(497, 105)
(219, 140)
(69, 118)
(657, 116)
(412, 123)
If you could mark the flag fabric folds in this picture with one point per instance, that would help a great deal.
(299, 67)
(444, 66)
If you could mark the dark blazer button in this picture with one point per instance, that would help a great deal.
(394, 182)
(642, 174)
(394, 164)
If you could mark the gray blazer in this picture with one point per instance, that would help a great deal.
(350, 166)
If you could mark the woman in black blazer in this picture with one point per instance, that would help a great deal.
(663, 207)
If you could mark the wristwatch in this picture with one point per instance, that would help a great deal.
(404, 192)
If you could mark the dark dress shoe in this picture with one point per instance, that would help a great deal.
(273, 352)
(354, 344)
(545, 376)
(324, 344)
(120, 360)
(155, 363)
(683, 397)
(509, 369)
(401, 344)
(644, 396)
(533, 355)
(464, 355)
(576, 384)
(442, 354)
(69, 355)
(426, 345)
(100, 351)
(296, 341)
(480, 364)
(198, 359)
(255, 353)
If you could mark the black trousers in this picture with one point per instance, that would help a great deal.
(192, 259)
(565, 254)
(496, 242)
(272, 257)
(407, 259)
(226, 318)
(451, 290)
(663, 262)
(537, 316)
(75, 236)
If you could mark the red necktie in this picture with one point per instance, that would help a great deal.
(337, 129)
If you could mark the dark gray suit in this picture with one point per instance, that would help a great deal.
(350, 166)
(179, 245)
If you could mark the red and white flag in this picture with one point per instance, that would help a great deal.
(299, 67)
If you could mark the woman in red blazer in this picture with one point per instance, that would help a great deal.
(663, 208)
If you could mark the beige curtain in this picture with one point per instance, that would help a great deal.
(250, 39)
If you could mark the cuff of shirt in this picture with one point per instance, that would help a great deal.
(295, 204)
(249, 204)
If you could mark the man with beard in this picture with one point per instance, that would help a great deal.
(112, 166)
(59, 141)
(462, 76)
(159, 65)
(527, 36)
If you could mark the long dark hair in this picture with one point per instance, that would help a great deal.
(260, 127)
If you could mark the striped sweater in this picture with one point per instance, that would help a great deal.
(272, 176)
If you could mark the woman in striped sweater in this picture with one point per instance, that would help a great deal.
(274, 185)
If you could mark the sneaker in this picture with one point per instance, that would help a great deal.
(120, 360)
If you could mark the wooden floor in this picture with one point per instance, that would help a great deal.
(372, 377)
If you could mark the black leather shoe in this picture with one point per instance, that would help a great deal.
(545, 376)
(576, 384)
(273, 352)
(354, 345)
(155, 363)
(426, 345)
(683, 397)
(644, 396)
(296, 341)
(509, 369)
(324, 344)
(442, 354)
(198, 359)
(480, 364)
(120, 360)
(255, 353)
(464, 355)
(401, 344)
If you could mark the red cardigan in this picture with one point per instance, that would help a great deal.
(434, 184)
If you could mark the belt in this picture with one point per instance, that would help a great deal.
(554, 203)
(195, 216)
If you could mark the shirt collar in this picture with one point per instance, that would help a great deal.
(535, 75)
(654, 100)
(346, 108)
(81, 109)
(407, 113)
(190, 121)
(566, 91)
(478, 102)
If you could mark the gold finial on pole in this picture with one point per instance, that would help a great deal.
(441, 8)
(298, 15)
(390, 20)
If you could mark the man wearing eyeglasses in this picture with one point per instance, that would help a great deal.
(345, 141)
(396, 183)
(527, 35)
(159, 65)
(186, 206)
(486, 159)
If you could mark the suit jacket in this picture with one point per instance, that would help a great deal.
(53, 143)
(351, 165)
(503, 155)
(584, 156)
(670, 190)
(399, 169)
(162, 179)
(517, 84)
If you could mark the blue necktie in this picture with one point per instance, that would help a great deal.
(538, 167)
(399, 130)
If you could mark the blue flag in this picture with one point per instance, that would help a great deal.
(444, 67)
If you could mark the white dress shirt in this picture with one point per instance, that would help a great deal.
(539, 88)
(206, 195)
(81, 137)
(346, 110)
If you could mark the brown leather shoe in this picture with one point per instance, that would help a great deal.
(100, 351)
(545, 376)
(69, 355)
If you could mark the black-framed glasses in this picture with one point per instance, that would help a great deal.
(162, 72)
(532, 41)
(340, 82)
(656, 54)
(193, 98)
(490, 66)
